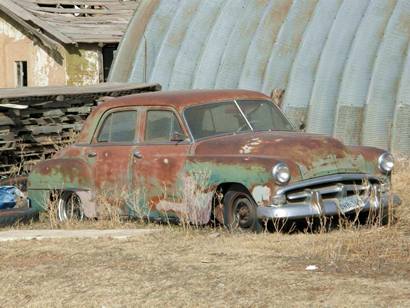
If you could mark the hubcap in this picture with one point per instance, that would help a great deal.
(69, 208)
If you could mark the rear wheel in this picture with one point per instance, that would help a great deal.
(240, 211)
(69, 207)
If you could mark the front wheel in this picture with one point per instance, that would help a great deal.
(240, 212)
(69, 207)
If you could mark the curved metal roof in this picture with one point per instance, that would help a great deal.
(344, 64)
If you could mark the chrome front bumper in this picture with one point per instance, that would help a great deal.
(317, 207)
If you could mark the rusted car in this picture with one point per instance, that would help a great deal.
(227, 155)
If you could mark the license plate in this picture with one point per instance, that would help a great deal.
(350, 203)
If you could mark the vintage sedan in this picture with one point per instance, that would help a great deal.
(193, 156)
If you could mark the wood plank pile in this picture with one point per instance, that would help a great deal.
(35, 123)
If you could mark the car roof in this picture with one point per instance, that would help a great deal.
(180, 99)
(176, 99)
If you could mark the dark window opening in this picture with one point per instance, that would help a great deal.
(21, 73)
(108, 53)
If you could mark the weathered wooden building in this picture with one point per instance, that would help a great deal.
(60, 42)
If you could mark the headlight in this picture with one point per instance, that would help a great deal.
(386, 162)
(281, 173)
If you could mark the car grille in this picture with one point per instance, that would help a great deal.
(330, 187)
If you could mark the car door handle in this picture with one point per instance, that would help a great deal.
(137, 154)
(91, 154)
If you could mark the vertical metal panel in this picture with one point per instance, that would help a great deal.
(155, 32)
(208, 63)
(287, 45)
(358, 71)
(190, 49)
(329, 74)
(401, 123)
(235, 52)
(260, 49)
(385, 80)
(170, 46)
(302, 75)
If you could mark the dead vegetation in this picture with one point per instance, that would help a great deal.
(196, 266)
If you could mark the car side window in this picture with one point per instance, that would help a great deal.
(118, 127)
(161, 125)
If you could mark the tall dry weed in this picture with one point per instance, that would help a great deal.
(401, 186)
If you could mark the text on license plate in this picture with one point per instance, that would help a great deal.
(350, 203)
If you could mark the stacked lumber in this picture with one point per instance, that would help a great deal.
(28, 136)
(35, 123)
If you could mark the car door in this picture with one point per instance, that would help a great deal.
(158, 166)
(110, 153)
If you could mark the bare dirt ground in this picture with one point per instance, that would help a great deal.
(368, 266)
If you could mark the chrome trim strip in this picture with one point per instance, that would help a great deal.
(328, 190)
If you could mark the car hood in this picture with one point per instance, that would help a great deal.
(314, 155)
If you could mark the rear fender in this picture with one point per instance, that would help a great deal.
(61, 175)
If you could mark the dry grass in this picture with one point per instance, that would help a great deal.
(197, 268)
(367, 266)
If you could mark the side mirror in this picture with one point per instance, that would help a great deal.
(177, 137)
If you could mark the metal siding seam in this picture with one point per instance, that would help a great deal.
(383, 88)
(401, 124)
(286, 46)
(206, 43)
(151, 41)
(212, 54)
(122, 64)
(192, 45)
(358, 70)
(304, 66)
(330, 69)
(238, 44)
(172, 42)
(261, 47)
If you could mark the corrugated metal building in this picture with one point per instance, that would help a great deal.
(344, 64)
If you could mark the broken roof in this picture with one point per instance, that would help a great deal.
(72, 21)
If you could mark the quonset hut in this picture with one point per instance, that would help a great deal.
(344, 64)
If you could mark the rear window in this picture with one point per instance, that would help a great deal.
(118, 127)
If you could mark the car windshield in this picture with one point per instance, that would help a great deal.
(235, 117)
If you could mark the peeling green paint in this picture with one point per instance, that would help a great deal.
(332, 165)
(224, 173)
(39, 199)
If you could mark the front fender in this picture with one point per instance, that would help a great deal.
(370, 159)
(254, 173)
